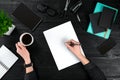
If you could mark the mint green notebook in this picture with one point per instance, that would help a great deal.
(99, 8)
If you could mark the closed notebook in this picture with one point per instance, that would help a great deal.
(7, 60)
(27, 16)
(94, 18)
(107, 17)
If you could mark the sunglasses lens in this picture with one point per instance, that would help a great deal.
(51, 12)
(41, 8)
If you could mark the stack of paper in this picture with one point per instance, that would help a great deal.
(56, 38)
(7, 59)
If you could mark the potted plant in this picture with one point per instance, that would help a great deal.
(6, 26)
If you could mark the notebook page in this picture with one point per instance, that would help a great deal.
(7, 57)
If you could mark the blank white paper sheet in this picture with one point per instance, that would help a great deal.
(56, 38)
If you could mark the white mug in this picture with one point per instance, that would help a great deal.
(26, 39)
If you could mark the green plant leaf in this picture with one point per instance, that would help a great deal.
(5, 22)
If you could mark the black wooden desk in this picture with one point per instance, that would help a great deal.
(40, 53)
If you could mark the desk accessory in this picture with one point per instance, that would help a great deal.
(26, 39)
(6, 26)
(72, 44)
(27, 17)
(42, 8)
(76, 6)
(65, 11)
(7, 60)
(106, 45)
(107, 17)
(78, 17)
(66, 5)
(94, 18)
(99, 8)
(45, 9)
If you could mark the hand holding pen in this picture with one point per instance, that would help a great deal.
(72, 43)
(75, 48)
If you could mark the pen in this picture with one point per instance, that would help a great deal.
(66, 8)
(105, 33)
(66, 5)
(78, 18)
(73, 44)
(76, 6)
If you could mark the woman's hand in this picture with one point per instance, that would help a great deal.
(23, 52)
(74, 47)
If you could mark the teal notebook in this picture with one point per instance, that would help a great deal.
(99, 8)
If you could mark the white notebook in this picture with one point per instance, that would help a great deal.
(56, 38)
(7, 59)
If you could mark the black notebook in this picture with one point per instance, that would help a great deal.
(106, 45)
(107, 17)
(27, 17)
(94, 18)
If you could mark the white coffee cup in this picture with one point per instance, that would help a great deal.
(26, 39)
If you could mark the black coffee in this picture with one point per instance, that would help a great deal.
(26, 39)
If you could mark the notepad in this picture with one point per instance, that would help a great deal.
(94, 18)
(107, 17)
(7, 60)
(56, 38)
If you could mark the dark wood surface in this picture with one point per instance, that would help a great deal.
(40, 53)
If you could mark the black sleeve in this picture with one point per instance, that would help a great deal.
(31, 76)
(94, 72)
